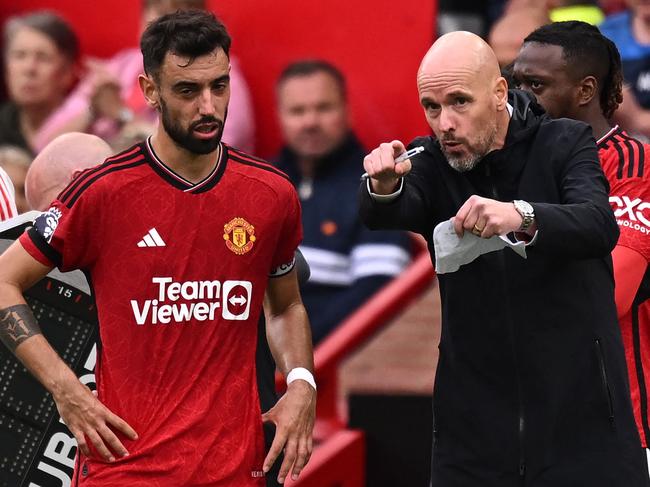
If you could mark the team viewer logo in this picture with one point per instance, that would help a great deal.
(239, 235)
(198, 301)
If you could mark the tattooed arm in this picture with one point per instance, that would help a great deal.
(17, 324)
(86, 417)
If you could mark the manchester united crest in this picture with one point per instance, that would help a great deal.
(239, 235)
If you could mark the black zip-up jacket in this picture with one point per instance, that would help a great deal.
(531, 387)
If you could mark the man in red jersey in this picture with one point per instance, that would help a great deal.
(575, 72)
(183, 238)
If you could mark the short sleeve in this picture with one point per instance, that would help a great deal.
(68, 234)
(290, 236)
(630, 200)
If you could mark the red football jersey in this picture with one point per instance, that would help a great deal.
(179, 272)
(623, 159)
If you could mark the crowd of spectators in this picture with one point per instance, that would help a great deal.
(50, 91)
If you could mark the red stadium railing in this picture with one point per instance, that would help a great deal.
(338, 451)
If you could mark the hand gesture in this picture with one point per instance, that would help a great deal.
(381, 167)
(485, 217)
(293, 417)
(88, 419)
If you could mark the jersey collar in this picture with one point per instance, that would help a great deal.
(180, 182)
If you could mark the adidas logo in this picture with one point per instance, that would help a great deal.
(152, 239)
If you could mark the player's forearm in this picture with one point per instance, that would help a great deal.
(289, 338)
(20, 333)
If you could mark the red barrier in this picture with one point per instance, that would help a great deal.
(338, 462)
(355, 330)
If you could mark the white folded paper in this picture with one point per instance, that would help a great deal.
(453, 251)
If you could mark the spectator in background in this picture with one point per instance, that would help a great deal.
(7, 203)
(108, 101)
(323, 159)
(40, 53)
(15, 162)
(509, 31)
(55, 166)
(630, 31)
(575, 72)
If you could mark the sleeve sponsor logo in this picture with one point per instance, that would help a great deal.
(283, 269)
(47, 222)
(631, 213)
(180, 302)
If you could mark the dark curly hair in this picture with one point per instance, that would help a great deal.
(190, 33)
(587, 53)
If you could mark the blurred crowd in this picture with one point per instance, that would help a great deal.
(51, 91)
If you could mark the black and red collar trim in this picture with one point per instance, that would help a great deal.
(180, 182)
(603, 140)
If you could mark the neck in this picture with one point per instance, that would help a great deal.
(503, 120)
(599, 127)
(641, 30)
(190, 166)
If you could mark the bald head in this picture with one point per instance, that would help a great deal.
(461, 51)
(464, 98)
(54, 167)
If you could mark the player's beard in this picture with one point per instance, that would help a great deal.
(184, 138)
(476, 151)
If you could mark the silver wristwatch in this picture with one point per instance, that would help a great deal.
(527, 214)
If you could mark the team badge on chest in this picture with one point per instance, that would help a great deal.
(239, 235)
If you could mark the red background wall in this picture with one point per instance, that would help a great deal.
(377, 44)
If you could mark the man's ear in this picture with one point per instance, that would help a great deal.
(501, 93)
(150, 91)
(587, 90)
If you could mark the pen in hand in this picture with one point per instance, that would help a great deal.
(409, 153)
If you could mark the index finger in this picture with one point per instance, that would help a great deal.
(398, 148)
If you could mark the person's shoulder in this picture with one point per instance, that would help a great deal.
(106, 177)
(565, 128)
(627, 155)
(257, 168)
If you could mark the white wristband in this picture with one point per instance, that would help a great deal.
(301, 373)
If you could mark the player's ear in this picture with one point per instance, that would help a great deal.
(587, 90)
(149, 89)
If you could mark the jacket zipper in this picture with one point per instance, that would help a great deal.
(603, 376)
(520, 402)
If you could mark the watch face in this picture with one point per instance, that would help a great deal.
(524, 207)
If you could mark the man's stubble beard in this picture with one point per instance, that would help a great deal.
(480, 149)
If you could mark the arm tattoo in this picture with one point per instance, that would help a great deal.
(17, 324)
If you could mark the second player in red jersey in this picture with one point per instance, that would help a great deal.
(575, 72)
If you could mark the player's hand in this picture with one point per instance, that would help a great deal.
(381, 167)
(293, 417)
(485, 217)
(89, 420)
